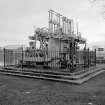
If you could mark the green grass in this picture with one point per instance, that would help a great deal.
(25, 91)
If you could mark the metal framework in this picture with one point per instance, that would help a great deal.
(58, 21)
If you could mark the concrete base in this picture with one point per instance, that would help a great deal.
(73, 78)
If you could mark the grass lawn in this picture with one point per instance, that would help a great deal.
(25, 91)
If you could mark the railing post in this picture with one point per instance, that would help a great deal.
(95, 57)
(4, 57)
(84, 57)
(88, 58)
(22, 58)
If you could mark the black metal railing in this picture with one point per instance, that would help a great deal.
(59, 60)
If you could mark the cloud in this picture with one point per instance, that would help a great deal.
(18, 17)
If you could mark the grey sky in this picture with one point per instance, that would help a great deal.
(18, 17)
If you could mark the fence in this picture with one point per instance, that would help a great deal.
(61, 60)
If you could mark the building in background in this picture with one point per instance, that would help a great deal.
(100, 54)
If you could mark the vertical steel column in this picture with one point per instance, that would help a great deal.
(70, 26)
(58, 21)
(57, 24)
(66, 26)
(49, 21)
(77, 27)
(68, 29)
(63, 24)
(35, 35)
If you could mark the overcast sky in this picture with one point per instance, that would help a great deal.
(18, 18)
